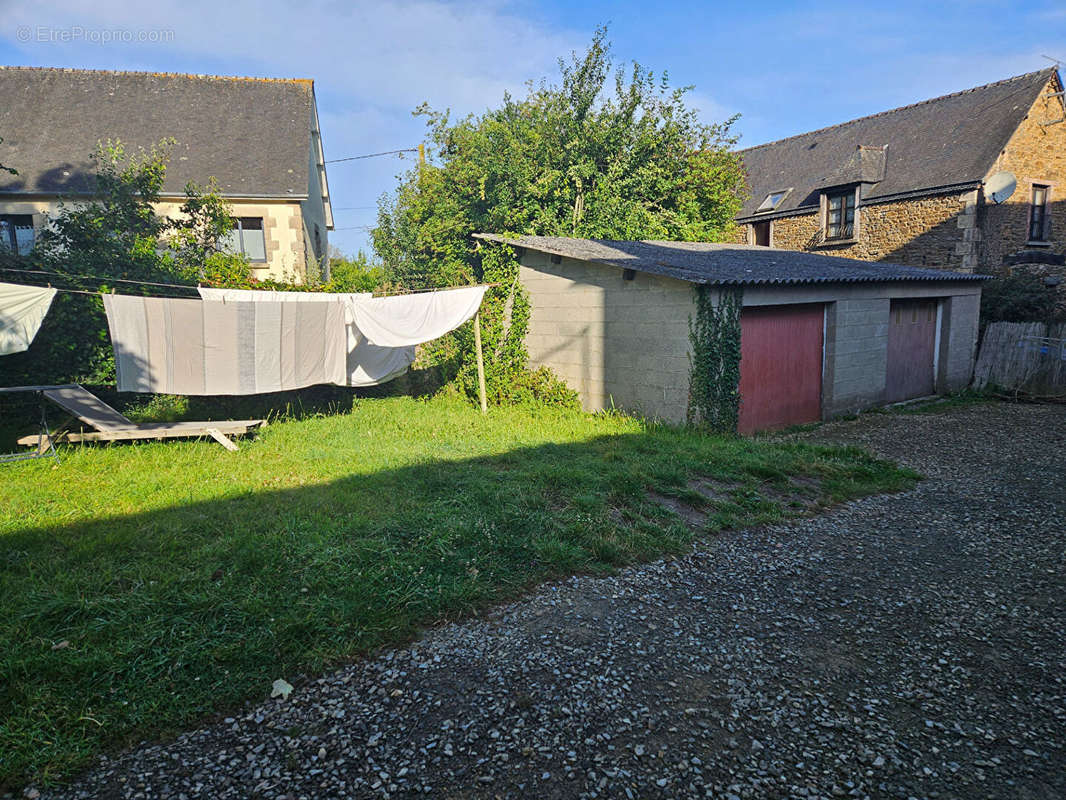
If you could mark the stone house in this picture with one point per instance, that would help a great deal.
(259, 138)
(914, 185)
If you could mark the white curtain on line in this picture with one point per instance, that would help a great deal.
(22, 310)
(367, 364)
(410, 319)
(381, 331)
(178, 346)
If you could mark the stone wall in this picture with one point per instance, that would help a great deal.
(1036, 154)
(931, 231)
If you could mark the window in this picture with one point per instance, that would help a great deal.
(16, 233)
(772, 201)
(840, 215)
(1038, 227)
(246, 237)
(760, 233)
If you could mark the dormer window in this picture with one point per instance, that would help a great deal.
(840, 214)
(772, 201)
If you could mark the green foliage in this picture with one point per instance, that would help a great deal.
(588, 157)
(358, 274)
(194, 242)
(117, 233)
(714, 374)
(1021, 297)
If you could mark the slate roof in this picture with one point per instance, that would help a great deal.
(252, 134)
(949, 141)
(727, 264)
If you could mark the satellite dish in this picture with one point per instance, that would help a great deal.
(1001, 186)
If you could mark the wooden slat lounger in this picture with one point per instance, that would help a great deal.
(111, 426)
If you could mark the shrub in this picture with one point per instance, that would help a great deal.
(1021, 297)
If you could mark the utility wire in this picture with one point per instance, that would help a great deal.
(374, 155)
(194, 288)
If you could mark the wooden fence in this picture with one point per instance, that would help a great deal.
(1023, 357)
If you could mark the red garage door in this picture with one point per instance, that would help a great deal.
(911, 342)
(780, 366)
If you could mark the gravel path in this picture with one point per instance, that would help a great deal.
(902, 646)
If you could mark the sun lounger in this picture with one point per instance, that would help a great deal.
(108, 425)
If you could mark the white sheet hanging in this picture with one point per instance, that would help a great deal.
(258, 295)
(192, 347)
(367, 364)
(410, 319)
(22, 310)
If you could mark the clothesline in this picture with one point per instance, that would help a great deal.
(195, 288)
(99, 278)
(236, 341)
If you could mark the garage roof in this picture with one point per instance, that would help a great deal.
(726, 264)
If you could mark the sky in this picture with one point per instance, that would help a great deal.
(785, 68)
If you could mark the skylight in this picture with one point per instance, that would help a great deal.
(772, 201)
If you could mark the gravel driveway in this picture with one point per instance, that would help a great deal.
(900, 646)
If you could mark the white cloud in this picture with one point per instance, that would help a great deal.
(393, 53)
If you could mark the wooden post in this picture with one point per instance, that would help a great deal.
(480, 364)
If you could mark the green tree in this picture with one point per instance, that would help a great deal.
(117, 233)
(196, 240)
(605, 153)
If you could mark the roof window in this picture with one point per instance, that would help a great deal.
(772, 201)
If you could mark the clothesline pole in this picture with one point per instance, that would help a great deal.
(480, 364)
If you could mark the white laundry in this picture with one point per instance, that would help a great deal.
(410, 319)
(367, 364)
(258, 295)
(192, 347)
(22, 310)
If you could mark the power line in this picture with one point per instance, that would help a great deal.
(374, 155)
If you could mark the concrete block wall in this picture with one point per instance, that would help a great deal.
(625, 343)
(958, 341)
(856, 354)
(621, 343)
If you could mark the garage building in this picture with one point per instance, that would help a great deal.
(820, 335)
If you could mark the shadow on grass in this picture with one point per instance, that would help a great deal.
(133, 624)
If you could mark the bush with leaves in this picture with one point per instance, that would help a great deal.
(1020, 297)
(604, 153)
(355, 274)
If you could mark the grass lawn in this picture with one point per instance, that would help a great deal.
(145, 586)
